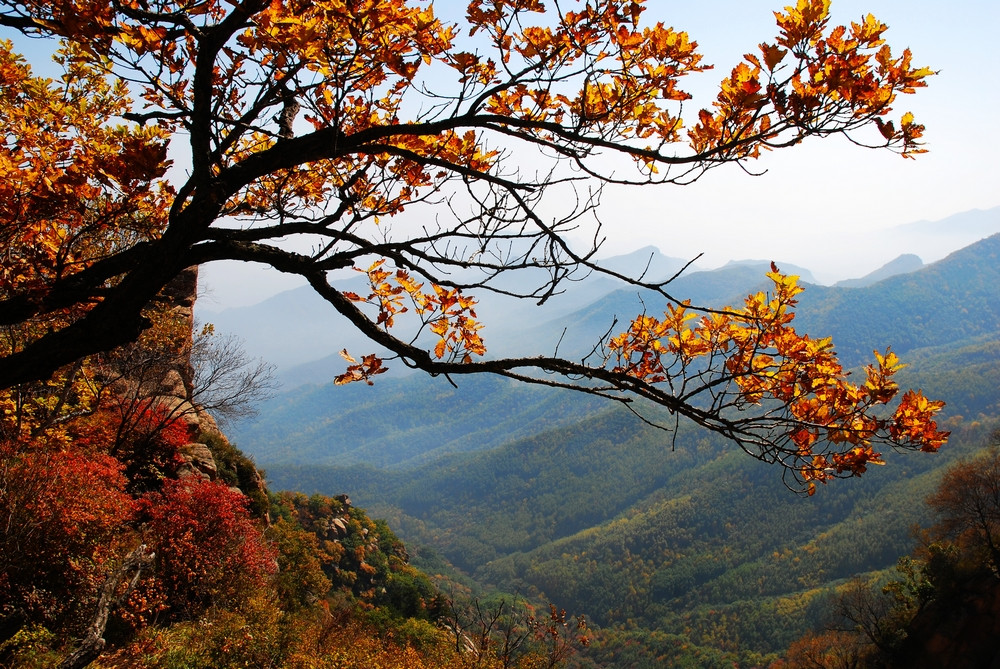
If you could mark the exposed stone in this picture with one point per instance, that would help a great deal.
(183, 289)
(172, 385)
(180, 295)
(198, 461)
(182, 410)
(177, 387)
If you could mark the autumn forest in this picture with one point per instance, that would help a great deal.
(505, 449)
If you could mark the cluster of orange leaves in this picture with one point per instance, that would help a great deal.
(769, 362)
(95, 188)
(354, 62)
(640, 67)
(72, 188)
(388, 42)
(845, 76)
(446, 312)
(360, 58)
(848, 73)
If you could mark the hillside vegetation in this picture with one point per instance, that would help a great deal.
(154, 543)
(651, 533)
(413, 167)
(647, 547)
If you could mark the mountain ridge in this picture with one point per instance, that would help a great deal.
(903, 264)
(610, 517)
(938, 309)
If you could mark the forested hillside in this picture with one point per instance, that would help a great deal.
(650, 533)
(135, 532)
(942, 319)
(606, 520)
(403, 421)
(942, 305)
(136, 535)
(676, 479)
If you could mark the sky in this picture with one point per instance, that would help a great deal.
(818, 203)
(826, 205)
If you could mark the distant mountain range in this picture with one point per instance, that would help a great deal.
(699, 547)
(967, 225)
(301, 334)
(904, 264)
(936, 311)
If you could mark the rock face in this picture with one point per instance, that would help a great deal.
(176, 390)
(331, 529)
(179, 296)
(198, 461)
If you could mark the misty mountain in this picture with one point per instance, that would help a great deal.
(290, 328)
(904, 264)
(765, 266)
(301, 334)
(549, 494)
(578, 333)
(932, 240)
(950, 306)
(942, 305)
(418, 417)
(973, 225)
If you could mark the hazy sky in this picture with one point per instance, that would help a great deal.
(820, 205)
(820, 199)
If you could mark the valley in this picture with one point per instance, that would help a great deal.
(673, 544)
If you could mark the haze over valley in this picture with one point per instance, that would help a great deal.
(575, 500)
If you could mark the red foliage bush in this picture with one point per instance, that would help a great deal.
(210, 552)
(147, 442)
(63, 513)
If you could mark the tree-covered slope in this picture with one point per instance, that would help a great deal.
(403, 421)
(941, 305)
(608, 521)
(944, 319)
(642, 531)
(944, 303)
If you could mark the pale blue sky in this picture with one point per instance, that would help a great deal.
(818, 200)
(820, 205)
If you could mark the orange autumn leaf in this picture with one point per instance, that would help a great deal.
(767, 361)
(377, 129)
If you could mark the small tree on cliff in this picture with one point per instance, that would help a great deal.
(335, 121)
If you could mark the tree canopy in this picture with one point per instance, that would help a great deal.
(436, 157)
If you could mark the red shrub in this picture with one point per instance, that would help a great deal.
(63, 514)
(210, 552)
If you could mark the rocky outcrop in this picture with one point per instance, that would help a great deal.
(179, 297)
(199, 462)
(175, 393)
